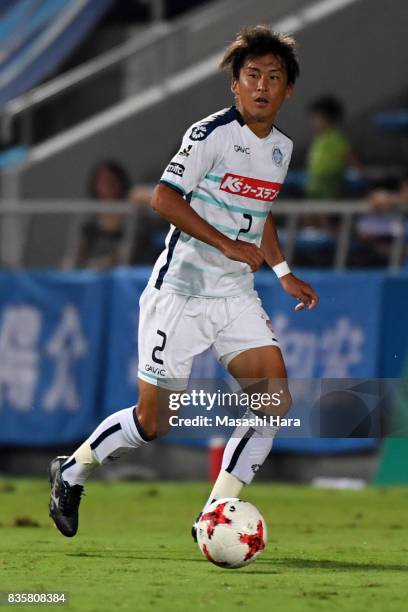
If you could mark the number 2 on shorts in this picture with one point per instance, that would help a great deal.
(159, 348)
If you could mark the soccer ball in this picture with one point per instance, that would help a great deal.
(231, 533)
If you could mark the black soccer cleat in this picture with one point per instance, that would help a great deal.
(64, 501)
(194, 528)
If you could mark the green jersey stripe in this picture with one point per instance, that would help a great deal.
(213, 177)
(235, 231)
(224, 205)
(197, 243)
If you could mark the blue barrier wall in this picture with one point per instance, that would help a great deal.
(68, 345)
(51, 349)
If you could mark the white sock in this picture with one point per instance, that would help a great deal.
(118, 434)
(226, 485)
(245, 453)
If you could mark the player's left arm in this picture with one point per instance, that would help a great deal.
(272, 251)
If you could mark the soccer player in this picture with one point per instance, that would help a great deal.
(217, 193)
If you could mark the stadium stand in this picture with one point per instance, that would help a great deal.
(35, 37)
(58, 166)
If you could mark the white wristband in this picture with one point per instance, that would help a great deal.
(281, 269)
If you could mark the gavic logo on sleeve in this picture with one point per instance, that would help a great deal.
(250, 187)
(177, 169)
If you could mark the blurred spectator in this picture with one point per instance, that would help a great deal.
(151, 229)
(104, 241)
(384, 199)
(327, 159)
(376, 232)
(329, 152)
(102, 237)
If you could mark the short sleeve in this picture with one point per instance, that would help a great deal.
(192, 162)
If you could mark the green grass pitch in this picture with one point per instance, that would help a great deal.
(327, 550)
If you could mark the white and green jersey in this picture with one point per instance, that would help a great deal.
(231, 178)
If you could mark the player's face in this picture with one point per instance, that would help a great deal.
(261, 88)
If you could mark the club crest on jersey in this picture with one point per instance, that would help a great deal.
(277, 156)
(199, 132)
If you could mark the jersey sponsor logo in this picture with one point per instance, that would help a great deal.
(255, 189)
(277, 156)
(175, 168)
(240, 149)
(185, 152)
(155, 370)
(198, 132)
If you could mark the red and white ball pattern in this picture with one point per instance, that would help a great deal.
(231, 533)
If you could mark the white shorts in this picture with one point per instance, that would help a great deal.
(174, 328)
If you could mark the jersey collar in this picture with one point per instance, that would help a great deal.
(238, 115)
(242, 123)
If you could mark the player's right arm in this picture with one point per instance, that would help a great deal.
(201, 149)
(174, 208)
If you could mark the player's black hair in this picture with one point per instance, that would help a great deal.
(329, 106)
(257, 41)
(116, 169)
